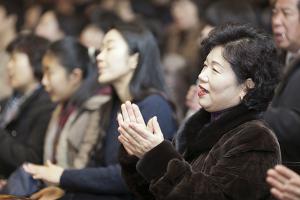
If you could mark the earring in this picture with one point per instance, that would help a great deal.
(241, 98)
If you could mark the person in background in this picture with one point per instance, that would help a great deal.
(225, 149)
(25, 115)
(8, 32)
(283, 115)
(286, 26)
(100, 21)
(54, 25)
(180, 59)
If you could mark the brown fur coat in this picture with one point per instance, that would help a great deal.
(224, 159)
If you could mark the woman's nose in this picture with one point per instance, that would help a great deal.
(9, 65)
(44, 81)
(203, 76)
(100, 55)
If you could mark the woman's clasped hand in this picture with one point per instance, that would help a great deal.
(136, 136)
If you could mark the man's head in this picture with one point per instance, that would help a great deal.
(286, 24)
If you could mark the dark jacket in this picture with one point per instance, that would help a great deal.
(102, 179)
(223, 159)
(23, 138)
(283, 116)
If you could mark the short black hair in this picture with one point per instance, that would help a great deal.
(34, 47)
(251, 54)
(71, 55)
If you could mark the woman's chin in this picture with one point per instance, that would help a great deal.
(203, 103)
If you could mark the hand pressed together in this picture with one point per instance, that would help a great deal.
(137, 137)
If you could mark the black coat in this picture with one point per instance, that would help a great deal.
(23, 138)
(283, 116)
(224, 159)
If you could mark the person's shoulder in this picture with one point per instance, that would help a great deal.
(252, 136)
(258, 124)
(258, 131)
(40, 95)
(292, 70)
(40, 100)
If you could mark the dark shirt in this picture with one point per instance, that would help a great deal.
(283, 116)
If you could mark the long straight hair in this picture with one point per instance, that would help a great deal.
(148, 76)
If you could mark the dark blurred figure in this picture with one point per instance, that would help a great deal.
(15, 9)
(286, 28)
(283, 115)
(158, 10)
(180, 58)
(99, 22)
(8, 30)
(54, 25)
(25, 115)
(32, 15)
(230, 11)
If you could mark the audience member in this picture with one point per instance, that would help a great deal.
(25, 115)
(283, 115)
(54, 25)
(225, 149)
(73, 129)
(286, 26)
(181, 51)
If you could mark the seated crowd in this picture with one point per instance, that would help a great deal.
(160, 99)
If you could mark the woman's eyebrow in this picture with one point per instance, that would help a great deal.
(217, 63)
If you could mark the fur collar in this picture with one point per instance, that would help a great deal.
(199, 134)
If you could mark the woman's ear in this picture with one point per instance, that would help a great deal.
(133, 60)
(248, 84)
(76, 76)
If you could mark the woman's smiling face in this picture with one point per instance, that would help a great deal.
(114, 58)
(218, 85)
